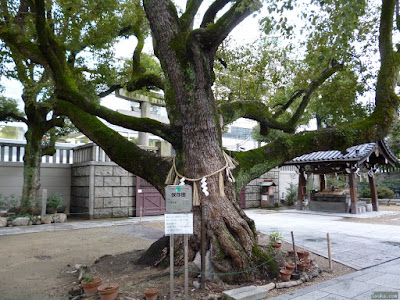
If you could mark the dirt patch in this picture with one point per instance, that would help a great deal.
(134, 278)
(39, 265)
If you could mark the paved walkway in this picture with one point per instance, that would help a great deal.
(357, 245)
(360, 285)
(374, 249)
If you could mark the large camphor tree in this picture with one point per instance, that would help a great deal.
(187, 56)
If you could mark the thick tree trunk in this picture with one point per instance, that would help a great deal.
(32, 160)
(231, 237)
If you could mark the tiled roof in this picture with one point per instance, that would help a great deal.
(354, 153)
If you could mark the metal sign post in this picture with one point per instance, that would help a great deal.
(171, 266)
(186, 245)
(178, 220)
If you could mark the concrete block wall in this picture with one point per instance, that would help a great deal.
(102, 190)
(253, 188)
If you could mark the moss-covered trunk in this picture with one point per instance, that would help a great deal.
(32, 160)
(231, 237)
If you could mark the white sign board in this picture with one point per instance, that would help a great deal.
(178, 198)
(178, 224)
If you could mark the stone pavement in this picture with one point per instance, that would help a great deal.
(82, 224)
(357, 245)
(370, 283)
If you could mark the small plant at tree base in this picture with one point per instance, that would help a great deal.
(55, 202)
(275, 237)
(87, 279)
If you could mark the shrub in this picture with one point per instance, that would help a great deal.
(11, 202)
(384, 192)
(54, 202)
(291, 194)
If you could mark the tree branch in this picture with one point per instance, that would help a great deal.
(212, 11)
(258, 111)
(137, 161)
(147, 81)
(308, 93)
(10, 117)
(13, 36)
(216, 33)
(139, 124)
(285, 106)
(55, 122)
(192, 6)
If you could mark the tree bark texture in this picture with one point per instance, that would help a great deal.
(231, 236)
(32, 161)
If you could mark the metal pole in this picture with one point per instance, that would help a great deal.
(329, 251)
(171, 266)
(294, 252)
(203, 246)
(186, 245)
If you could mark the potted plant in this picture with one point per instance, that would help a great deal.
(302, 254)
(289, 266)
(108, 291)
(275, 239)
(151, 293)
(285, 274)
(90, 284)
(54, 203)
(302, 265)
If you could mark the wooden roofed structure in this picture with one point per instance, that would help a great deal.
(357, 160)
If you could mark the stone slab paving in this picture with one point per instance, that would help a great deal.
(245, 293)
(357, 286)
(357, 245)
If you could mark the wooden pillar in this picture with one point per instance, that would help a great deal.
(374, 195)
(353, 192)
(300, 188)
(322, 183)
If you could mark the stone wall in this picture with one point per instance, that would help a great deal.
(102, 190)
(253, 189)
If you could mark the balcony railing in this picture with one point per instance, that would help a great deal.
(13, 151)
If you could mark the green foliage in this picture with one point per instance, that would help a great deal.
(393, 139)
(384, 192)
(363, 189)
(55, 201)
(337, 181)
(391, 183)
(87, 278)
(275, 236)
(9, 109)
(266, 256)
(291, 194)
(11, 202)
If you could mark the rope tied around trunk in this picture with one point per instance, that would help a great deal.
(174, 177)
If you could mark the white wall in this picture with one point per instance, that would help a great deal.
(56, 178)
